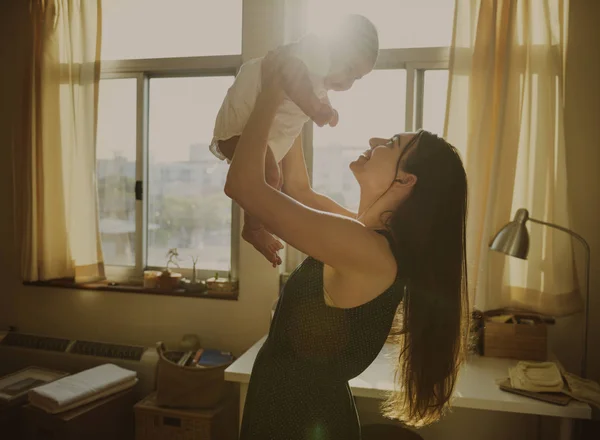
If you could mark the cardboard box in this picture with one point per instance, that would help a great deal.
(519, 336)
(153, 422)
(108, 418)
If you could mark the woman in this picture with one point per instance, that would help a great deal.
(406, 246)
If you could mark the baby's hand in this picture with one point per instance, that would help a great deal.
(334, 119)
(325, 114)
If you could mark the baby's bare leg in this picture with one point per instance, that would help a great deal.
(227, 148)
(254, 231)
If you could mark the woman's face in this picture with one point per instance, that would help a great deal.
(377, 167)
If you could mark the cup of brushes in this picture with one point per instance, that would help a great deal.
(203, 358)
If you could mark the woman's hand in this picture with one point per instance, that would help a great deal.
(247, 170)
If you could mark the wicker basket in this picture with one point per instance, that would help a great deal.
(189, 387)
(153, 422)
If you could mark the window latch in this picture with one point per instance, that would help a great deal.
(139, 191)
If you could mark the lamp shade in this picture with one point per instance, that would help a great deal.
(513, 238)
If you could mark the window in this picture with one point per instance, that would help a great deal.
(164, 76)
(407, 90)
(435, 91)
(139, 29)
(187, 208)
(165, 71)
(116, 166)
(401, 23)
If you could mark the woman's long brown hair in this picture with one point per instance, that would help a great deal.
(429, 234)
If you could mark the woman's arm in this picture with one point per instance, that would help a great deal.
(299, 88)
(296, 184)
(296, 81)
(340, 242)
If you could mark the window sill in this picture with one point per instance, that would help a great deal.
(107, 286)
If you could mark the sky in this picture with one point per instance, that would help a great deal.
(183, 110)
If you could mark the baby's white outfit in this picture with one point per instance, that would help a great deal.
(289, 119)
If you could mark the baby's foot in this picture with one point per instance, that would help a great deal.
(264, 243)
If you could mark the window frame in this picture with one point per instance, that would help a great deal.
(143, 70)
(293, 16)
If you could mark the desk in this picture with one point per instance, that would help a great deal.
(476, 387)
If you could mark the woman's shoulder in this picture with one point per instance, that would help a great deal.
(383, 253)
(388, 249)
(353, 288)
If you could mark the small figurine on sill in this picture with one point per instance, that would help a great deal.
(194, 285)
(173, 258)
(170, 280)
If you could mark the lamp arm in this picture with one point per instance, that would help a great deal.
(587, 285)
(568, 231)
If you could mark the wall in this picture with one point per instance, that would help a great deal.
(582, 122)
(236, 325)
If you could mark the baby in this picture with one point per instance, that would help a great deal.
(310, 68)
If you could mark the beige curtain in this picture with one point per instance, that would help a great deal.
(505, 110)
(55, 152)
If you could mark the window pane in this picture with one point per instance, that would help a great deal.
(401, 23)
(375, 106)
(187, 208)
(135, 29)
(435, 94)
(115, 160)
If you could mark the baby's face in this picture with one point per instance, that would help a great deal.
(343, 74)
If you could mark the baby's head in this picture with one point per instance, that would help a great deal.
(354, 45)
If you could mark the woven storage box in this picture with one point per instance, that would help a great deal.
(153, 422)
(515, 341)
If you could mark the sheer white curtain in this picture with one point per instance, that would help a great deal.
(505, 107)
(55, 157)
